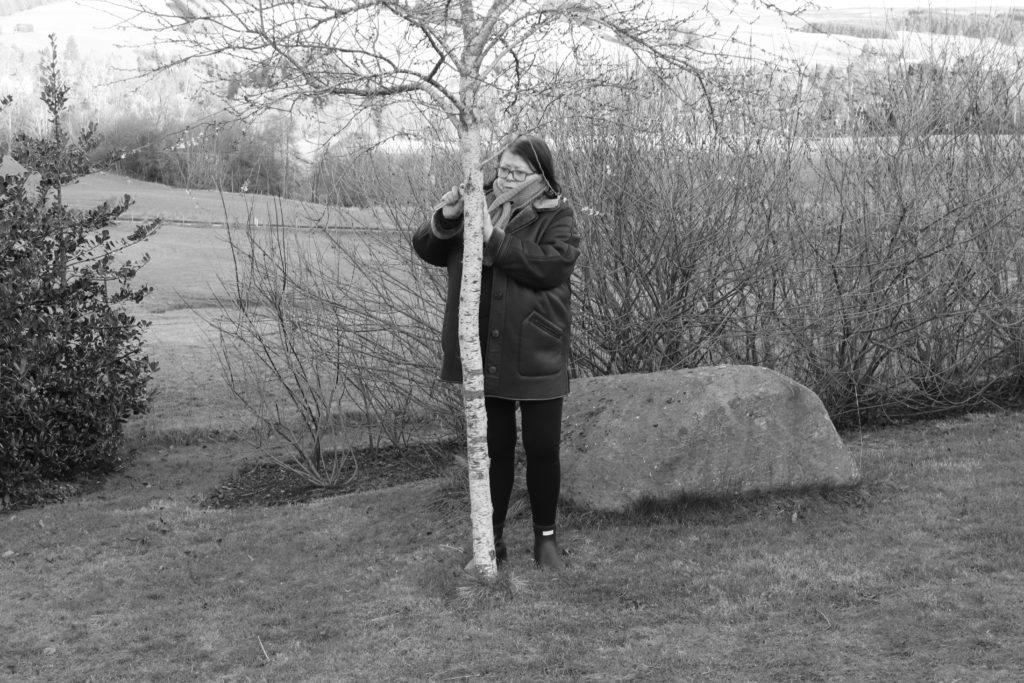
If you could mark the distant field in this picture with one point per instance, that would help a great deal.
(191, 269)
(181, 205)
(190, 255)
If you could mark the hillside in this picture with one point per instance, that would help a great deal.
(178, 205)
(831, 32)
(104, 27)
(9, 7)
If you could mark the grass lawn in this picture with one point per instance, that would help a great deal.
(190, 270)
(180, 205)
(917, 575)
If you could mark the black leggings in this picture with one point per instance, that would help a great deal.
(542, 435)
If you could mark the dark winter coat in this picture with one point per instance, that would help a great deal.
(525, 317)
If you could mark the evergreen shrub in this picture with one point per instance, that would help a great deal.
(72, 363)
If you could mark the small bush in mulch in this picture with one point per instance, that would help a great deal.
(268, 484)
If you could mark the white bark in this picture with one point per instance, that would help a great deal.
(472, 360)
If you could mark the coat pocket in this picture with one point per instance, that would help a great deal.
(541, 345)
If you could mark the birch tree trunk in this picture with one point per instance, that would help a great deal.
(472, 360)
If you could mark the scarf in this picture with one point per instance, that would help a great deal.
(502, 206)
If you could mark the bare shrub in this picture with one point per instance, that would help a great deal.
(393, 304)
(880, 270)
(879, 265)
(278, 354)
(330, 337)
(646, 296)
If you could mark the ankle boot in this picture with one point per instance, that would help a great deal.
(545, 549)
(500, 551)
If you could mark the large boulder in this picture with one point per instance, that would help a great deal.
(703, 432)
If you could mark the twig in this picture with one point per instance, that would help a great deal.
(827, 620)
(263, 648)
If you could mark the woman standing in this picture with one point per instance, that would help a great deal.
(529, 256)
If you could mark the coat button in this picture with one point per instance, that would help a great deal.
(499, 295)
(492, 369)
(495, 333)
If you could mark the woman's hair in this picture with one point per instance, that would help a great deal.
(537, 153)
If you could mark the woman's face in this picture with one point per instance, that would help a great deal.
(513, 172)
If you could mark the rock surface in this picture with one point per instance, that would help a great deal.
(709, 431)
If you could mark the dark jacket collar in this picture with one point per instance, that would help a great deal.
(547, 203)
(529, 213)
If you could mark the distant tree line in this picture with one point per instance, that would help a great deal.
(878, 95)
(874, 96)
(170, 132)
(1006, 27)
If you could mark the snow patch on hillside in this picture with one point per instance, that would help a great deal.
(103, 25)
(757, 32)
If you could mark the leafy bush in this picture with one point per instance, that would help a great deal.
(72, 367)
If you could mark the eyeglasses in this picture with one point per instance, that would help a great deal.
(513, 174)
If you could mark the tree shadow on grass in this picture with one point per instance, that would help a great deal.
(724, 509)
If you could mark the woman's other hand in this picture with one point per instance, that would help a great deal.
(452, 203)
(488, 228)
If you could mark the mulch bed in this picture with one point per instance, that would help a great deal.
(268, 484)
